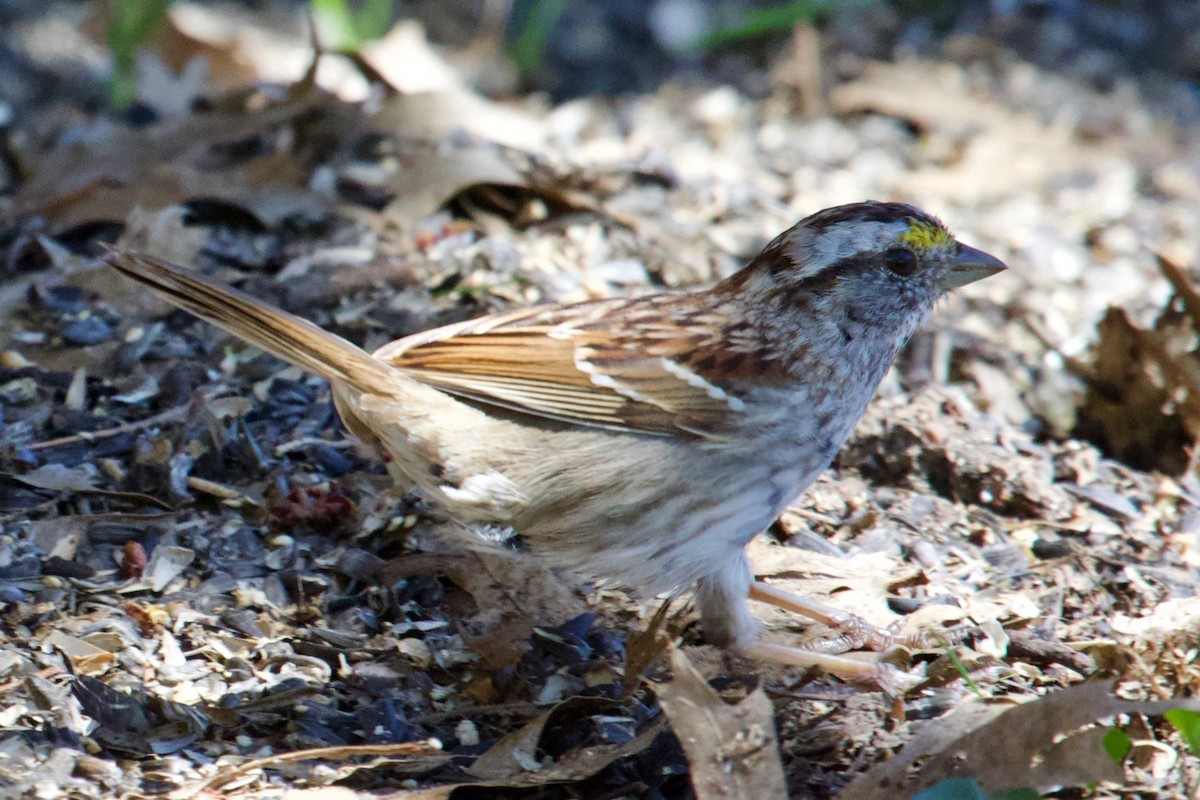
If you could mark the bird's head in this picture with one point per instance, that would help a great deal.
(882, 264)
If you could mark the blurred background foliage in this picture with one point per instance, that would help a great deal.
(570, 48)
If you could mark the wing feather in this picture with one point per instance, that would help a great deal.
(619, 364)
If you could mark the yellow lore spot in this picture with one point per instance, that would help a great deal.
(923, 236)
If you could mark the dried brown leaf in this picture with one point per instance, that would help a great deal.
(184, 37)
(434, 114)
(433, 172)
(643, 648)
(58, 478)
(85, 658)
(1047, 743)
(1133, 378)
(1183, 287)
(405, 61)
(732, 749)
(575, 766)
(516, 753)
(107, 175)
(167, 562)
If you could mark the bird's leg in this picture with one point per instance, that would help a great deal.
(825, 654)
(721, 601)
(855, 633)
(872, 672)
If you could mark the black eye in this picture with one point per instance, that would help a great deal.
(900, 261)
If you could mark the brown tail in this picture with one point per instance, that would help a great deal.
(285, 335)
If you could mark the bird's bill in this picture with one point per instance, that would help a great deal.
(970, 265)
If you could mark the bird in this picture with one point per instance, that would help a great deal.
(640, 441)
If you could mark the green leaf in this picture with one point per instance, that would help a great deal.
(336, 24)
(969, 789)
(758, 22)
(953, 789)
(129, 24)
(527, 47)
(1117, 744)
(952, 654)
(345, 29)
(1188, 724)
(373, 20)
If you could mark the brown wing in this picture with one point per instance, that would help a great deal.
(621, 364)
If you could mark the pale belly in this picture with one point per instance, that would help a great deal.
(666, 532)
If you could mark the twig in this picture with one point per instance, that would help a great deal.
(177, 414)
(1183, 287)
(48, 672)
(334, 753)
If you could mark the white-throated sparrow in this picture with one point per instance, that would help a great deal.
(642, 440)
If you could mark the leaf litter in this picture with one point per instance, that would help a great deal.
(207, 588)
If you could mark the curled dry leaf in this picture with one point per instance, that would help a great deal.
(1047, 743)
(85, 658)
(60, 479)
(732, 749)
(643, 648)
(1143, 385)
(115, 170)
(166, 564)
(433, 114)
(518, 759)
(432, 172)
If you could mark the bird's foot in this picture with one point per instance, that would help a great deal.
(873, 672)
(853, 632)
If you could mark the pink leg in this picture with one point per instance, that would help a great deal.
(872, 672)
(855, 632)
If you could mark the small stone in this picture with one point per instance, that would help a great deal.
(21, 391)
(416, 650)
(87, 331)
(11, 359)
(466, 733)
(1047, 549)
